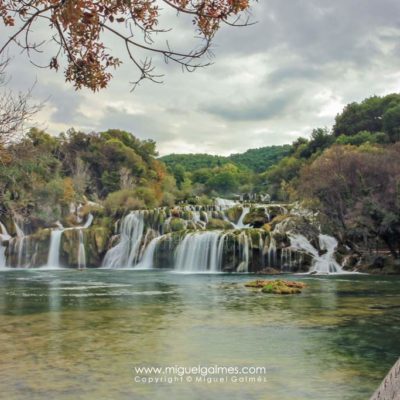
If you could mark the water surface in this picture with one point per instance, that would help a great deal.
(79, 335)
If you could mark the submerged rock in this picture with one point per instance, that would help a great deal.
(270, 271)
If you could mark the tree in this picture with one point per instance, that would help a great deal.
(15, 111)
(359, 190)
(79, 29)
(391, 122)
(369, 115)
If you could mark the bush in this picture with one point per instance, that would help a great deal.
(122, 200)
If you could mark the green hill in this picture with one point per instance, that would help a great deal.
(257, 160)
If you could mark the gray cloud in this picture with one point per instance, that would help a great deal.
(264, 108)
(292, 71)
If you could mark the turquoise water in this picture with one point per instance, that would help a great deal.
(79, 335)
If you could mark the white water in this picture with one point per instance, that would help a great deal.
(4, 233)
(126, 252)
(199, 252)
(272, 260)
(88, 222)
(244, 252)
(3, 236)
(147, 262)
(53, 258)
(323, 264)
(20, 244)
(225, 203)
(81, 252)
(240, 224)
(20, 233)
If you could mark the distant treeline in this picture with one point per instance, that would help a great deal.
(256, 160)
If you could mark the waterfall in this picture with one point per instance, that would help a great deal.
(20, 242)
(147, 261)
(272, 261)
(20, 233)
(199, 252)
(244, 252)
(3, 260)
(3, 236)
(323, 264)
(225, 203)
(220, 250)
(240, 224)
(327, 262)
(81, 252)
(126, 252)
(53, 258)
(88, 222)
(286, 259)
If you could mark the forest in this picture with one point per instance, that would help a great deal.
(350, 174)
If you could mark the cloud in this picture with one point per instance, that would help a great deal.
(259, 109)
(292, 71)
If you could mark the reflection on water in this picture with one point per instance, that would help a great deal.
(68, 334)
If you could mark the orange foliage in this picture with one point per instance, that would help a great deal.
(79, 26)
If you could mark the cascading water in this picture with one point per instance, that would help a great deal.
(243, 252)
(272, 259)
(81, 252)
(20, 243)
(224, 203)
(88, 222)
(53, 259)
(323, 264)
(3, 237)
(147, 261)
(126, 252)
(240, 224)
(199, 252)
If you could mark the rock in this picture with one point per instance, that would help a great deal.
(234, 214)
(256, 218)
(177, 224)
(219, 224)
(280, 289)
(277, 286)
(269, 271)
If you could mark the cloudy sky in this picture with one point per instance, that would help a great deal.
(270, 83)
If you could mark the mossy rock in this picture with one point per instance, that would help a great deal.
(234, 214)
(267, 227)
(256, 218)
(203, 216)
(98, 239)
(219, 224)
(176, 213)
(255, 235)
(41, 235)
(280, 289)
(278, 219)
(217, 215)
(275, 211)
(191, 226)
(177, 224)
(277, 286)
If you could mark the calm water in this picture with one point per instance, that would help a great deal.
(80, 335)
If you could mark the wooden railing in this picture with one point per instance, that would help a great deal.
(390, 386)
